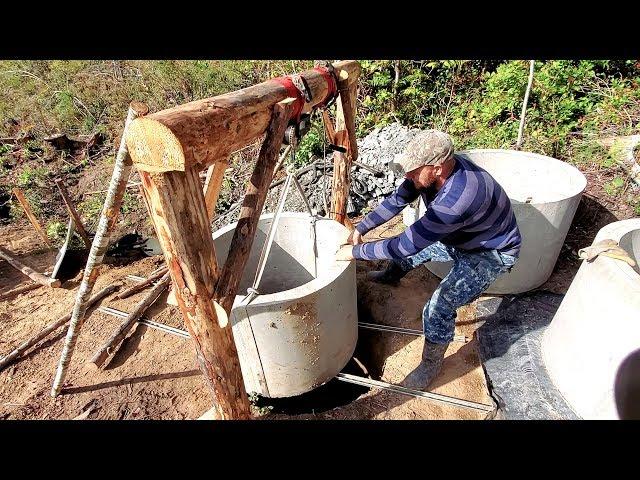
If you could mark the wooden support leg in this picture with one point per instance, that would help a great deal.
(213, 185)
(344, 136)
(254, 198)
(179, 214)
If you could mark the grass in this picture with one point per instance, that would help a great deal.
(614, 187)
(91, 207)
(33, 197)
(32, 176)
(56, 231)
(572, 104)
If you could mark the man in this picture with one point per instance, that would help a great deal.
(469, 220)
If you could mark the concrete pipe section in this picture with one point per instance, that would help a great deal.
(545, 194)
(594, 337)
(302, 329)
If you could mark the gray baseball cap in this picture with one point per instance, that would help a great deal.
(428, 147)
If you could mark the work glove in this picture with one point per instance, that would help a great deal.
(608, 248)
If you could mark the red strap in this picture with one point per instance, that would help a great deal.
(293, 92)
(332, 86)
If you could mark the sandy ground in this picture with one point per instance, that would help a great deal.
(153, 376)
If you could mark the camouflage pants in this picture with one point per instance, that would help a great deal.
(472, 273)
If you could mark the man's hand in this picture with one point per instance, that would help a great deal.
(344, 253)
(355, 238)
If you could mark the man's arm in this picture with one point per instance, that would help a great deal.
(390, 207)
(431, 228)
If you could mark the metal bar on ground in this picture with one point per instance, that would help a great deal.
(345, 377)
(366, 382)
(406, 331)
(158, 326)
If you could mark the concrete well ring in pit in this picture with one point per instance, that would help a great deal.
(303, 327)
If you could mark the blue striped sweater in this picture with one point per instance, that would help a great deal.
(470, 212)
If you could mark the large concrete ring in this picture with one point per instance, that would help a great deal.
(302, 329)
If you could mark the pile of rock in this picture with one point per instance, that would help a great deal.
(375, 151)
(371, 179)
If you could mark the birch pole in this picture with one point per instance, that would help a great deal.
(524, 105)
(108, 218)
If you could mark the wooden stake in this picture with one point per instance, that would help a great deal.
(109, 348)
(328, 127)
(72, 211)
(32, 218)
(179, 214)
(28, 271)
(345, 136)
(108, 219)
(18, 290)
(53, 326)
(254, 198)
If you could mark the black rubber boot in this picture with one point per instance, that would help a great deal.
(391, 275)
(432, 357)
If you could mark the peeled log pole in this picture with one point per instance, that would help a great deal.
(109, 346)
(200, 133)
(32, 218)
(50, 328)
(28, 271)
(212, 185)
(344, 136)
(108, 219)
(72, 211)
(254, 198)
(178, 211)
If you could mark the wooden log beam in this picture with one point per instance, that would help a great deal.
(179, 215)
(32, 218)
(202, 132)
(254, 198)
(108, 349)
(345, 136)
(28, 271)
(18, 351)
(72, 211)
